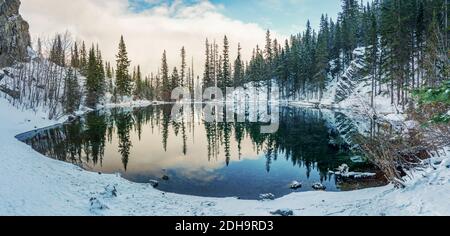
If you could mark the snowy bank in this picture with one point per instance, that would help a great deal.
(32, 184)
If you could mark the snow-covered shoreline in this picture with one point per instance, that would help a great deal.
(32, 184)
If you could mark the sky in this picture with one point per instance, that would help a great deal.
(284, 16)
(152, 26)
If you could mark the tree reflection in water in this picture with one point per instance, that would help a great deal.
(306, 138)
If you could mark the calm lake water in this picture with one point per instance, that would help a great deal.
(206, 159)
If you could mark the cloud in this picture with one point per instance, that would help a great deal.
(164, 26)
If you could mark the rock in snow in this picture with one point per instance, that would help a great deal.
(318, 186)
(295, 185)
(267, 196)
(154, 183)
(96, 204)
(110, 191)
(283, 212)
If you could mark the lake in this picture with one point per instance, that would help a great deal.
(218, 159)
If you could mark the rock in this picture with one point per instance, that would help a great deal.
(96, 204)
(318, 186)
(295, 185)
(283, 212)
(165, 177)
(110, 191)
(154, 183)
(267, 196)
(15, 37)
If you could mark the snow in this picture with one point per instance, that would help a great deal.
(295, 185)
(411, 124)
(32, 184)
(318, 186)
(395, 117)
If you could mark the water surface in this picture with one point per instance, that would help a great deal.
(206, 159)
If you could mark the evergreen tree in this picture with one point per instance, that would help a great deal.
(123, 81)
(83, 58)
(166, 84)
(183, 82)
(322, 60)
(226, 70)
(207, 80)
(57, 53)
(92, 81)
(372, 54)
(175, 79)
(350, 20)
(139, 84)
(72, 94)
(75, 58)
(238, 69)
(268, 53)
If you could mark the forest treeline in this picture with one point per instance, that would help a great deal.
(405, 45)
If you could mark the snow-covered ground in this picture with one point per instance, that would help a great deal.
(32, 184)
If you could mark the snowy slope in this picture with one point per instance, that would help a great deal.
(31, 184)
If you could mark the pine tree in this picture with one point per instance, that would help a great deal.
(322, 59)
(350, 21)
(123, 80)
(57, 54)
(431, 57)
(72, 95)
(108, 70)
(100, 69)
(139, 85)
(268, 53)
(238, 69)
(83, 58)
(372, 54)
(166, 84)
(226, 70)
(175, 79)
(207, 80)
(75, 59)
(92, 81)
(183, 82)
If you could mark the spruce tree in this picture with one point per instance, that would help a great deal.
(322, 56)
(139, 84)
(123, 80)
(72, 95)
(83, 58)
(75, 59)
(92, 80)
(226, 70)
(207, 80)
(166, 84)
(175, 79)
(183, 82)
(238, 69)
